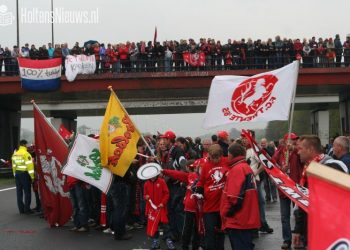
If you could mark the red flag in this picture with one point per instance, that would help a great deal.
(103, 216)
(155, 36)
(329, 219)
(153, 219)
(52, 152)
(194, 59)
(64, 132)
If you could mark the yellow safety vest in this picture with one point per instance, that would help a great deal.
(22, 161)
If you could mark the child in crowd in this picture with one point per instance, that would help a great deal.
(191, 203)
(156, 194)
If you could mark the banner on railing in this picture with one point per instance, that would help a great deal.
(194, 59)
(79, 64)
(295, 192)
(40, 75)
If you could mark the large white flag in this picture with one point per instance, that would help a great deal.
(84, 163)
(260, 98)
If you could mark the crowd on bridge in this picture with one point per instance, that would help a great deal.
(210, 172)
(168, 56)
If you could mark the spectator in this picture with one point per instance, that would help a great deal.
(134, 54)
(346, 47)
(65, 53)
(14, 62)
(313, 53)
(279, 51)
(76, 50)
(51, 50)
(96, 52)
(7, 61)
(338, 50)
(43, 53)
(307, 59)
(123, 55)
(341, 146)
(33, 53)
(168, 57)
(330, 54)
(321, 53)
(1, 59)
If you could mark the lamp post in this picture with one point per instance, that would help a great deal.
(52, 20)
(17, 16)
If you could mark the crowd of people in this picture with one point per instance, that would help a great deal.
(207, 189)
(168, 55)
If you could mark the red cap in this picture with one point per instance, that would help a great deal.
(292, 136)
(223, 134)
(168, 135)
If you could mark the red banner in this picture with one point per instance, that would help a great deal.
(51, 152)
(196, 59)
(153, 219)
(64, 132)
(292, 190)
(329, 219)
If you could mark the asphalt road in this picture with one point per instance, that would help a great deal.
(31, 232)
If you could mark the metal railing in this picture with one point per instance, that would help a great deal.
(9, 66)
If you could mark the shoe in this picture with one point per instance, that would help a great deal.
(29, 212)
(126, 236)
(73, 229)
(137, 225)
(155, 244)
(107, 231)
(266, 229)
(128, 227)
(83, 229)
(286, 245)
(170, 244)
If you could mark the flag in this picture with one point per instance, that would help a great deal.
(84, 163)
(40, 75)
(64, 132)
(52, 152)
(194, 59)
(298, 194)
(153, 219)
(155, 36)
(260, 98)
(328, 217)
(118, 138)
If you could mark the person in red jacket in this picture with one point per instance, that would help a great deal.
(211, 184)
(190, 202)
(239, 207)
(156, 194)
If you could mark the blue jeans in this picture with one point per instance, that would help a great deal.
(80, 207)
(285, 219)
(240, 239)
(120, 199)
(261, 203)
(23, 185)
(214, 238)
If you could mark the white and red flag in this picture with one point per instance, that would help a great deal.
(328, 216)
(52, 153)
(260, 98)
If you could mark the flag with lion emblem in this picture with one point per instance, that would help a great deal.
(118, 138)
(260, 98)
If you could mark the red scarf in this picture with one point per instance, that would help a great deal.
(317, 158)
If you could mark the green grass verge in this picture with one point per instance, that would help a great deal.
(7, 182)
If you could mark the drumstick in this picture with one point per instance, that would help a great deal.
(146, 156)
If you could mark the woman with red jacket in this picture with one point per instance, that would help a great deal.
(239, 207)
(96, 49)
(124, 57)
(211, 184)
(190, 203)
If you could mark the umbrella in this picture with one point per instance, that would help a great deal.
(90, 42)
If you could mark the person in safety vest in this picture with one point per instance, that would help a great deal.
(23, 170)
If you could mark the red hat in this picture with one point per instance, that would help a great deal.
(223, 134)
(168, 135)
(292, 136)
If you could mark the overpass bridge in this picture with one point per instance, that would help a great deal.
(318, 89)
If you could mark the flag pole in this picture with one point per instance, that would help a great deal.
(126, 112)
(293, 104)
(48, 122)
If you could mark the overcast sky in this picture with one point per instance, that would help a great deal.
(135, 20)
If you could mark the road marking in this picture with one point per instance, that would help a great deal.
(1, 190)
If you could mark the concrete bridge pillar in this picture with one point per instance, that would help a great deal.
(10, 124)
(320, 125)
(344, 109)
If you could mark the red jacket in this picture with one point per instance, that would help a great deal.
(240, 182)
(123, 53)
(190, 179)
(158, 192)
(212, 180)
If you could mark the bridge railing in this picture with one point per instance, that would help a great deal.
(9, 66)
